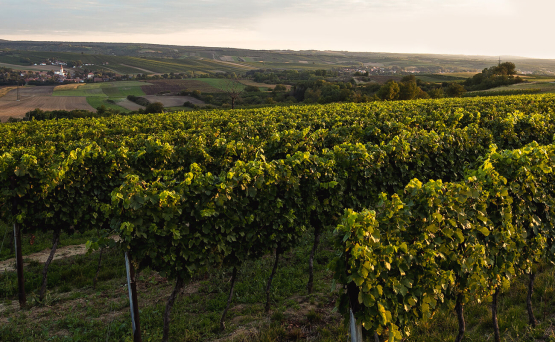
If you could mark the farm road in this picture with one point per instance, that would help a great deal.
(61, 253)
(145, 70)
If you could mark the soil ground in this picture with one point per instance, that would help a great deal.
(18, 109)
(37, 97)
(26, 92)
(125, 103)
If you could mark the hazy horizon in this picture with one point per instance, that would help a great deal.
(484, 28)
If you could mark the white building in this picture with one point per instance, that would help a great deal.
(61, 72)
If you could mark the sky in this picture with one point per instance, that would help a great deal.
(469, 27)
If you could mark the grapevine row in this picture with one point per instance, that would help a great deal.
(442, 244)
(186, 199)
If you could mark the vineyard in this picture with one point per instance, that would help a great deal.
(432, 203)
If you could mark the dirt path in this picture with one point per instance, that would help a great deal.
(42, 256)
(63, 252)
(243, 66)
(145, 70)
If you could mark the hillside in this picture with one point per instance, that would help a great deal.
(139, 58)
(270, 186)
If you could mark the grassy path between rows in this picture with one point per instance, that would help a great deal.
(74, 311)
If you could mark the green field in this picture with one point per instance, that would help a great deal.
(107, 89)
(130, 64)
(220, 83)
(153, 58)
(546, 87)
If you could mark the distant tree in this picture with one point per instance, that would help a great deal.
(155, 107)
(389, 91)
(408, 88)
(495, 76)
(189, 104)
(422, 95)
(436, 93)
(251, 89)
(233, 88)
(455, 90)
(101, 110)
(505, 69)
(279, 87)
(312, 95)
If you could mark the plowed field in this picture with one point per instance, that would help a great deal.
(17, 109)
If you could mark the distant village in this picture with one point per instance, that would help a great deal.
(69, 72)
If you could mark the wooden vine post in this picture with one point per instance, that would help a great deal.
(133, 303)
(18, 256)
(19, 266)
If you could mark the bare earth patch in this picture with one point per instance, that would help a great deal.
(26, 92)
(17, 109)
(125, 103)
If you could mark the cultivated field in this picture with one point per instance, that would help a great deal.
(129, 105)
(5, 90)
(175, 86)
(546, 87)
(219, 83)
(17, 109)
(105, 89)
(25, 92)
(30, 67)
(90, 96)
